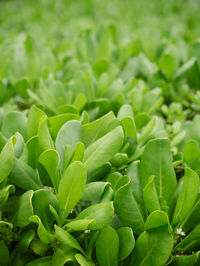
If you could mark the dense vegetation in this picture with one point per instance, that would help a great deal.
(99, 132)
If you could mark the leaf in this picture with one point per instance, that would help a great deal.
(25, 240)
(153, 247)
(6, 158)
(66, 239)
(128, 209)
(62, 255)
(44, 261)
(4, 194)
(129, 127)
(41, 207)
(106, 253)
(82, 260)
(136, 184)
(4, 254)
(71, 188)
(191, 242)
(187, 197)
(102, 213)
(56, 122)
(97, 129)
(70, 133)
(23, 176)
(150, 196)
(103, 149)
(81, 225)
(34, 116)
(50, 159)
(126, 242)
(14, 122)
(157, 160)
(42, 232)
(38, 247)
(44, 138)
(192, 153)
(185, 260)
(94, 190)
(24, 209)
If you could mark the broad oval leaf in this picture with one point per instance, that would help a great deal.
(103, 149)
(71, 188)
(107, 253)
(157, 160)
(128, 209)
(126, 242)
(102, 213)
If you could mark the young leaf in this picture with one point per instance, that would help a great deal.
(102, 213)
(70, 133)
(23, 176)
(24, 209)
(128, 209)
(153, 247)
(150, 196)
(6, 158)
(67, 239)
(103, 149)
(187, 197)
(126, 242)
(51, 161)
(106, 253)
(157, 161)
(34, 116)
(71, 188)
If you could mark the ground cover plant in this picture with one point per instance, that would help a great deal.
(99, 133)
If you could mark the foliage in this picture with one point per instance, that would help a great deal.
(99, 133)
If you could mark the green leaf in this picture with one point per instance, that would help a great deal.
(103, 149)
(153, 247)
(44, 138)
(50, 159)
(4, 194)
(185, 260)
(23, 176)
(45, 261)
(102, 213)
(82, 260)
(150, 196)
(187, 197)
(42, 232)
(106, 253)
(70, 133)
(129, 127)
(66, 239)
(25, 240)
(128, 209)
(81, 225)
(4, 254)
(41, 207)
(157, 160)
(71, 188)
(97, 129)
(38, 247)
(94, 190)
(62, 255)
(24, 209)
(56, 122)
(192, 153)
(14, 122)
(6, 158)
(126, 242)
(34, 116)
(190, 243)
